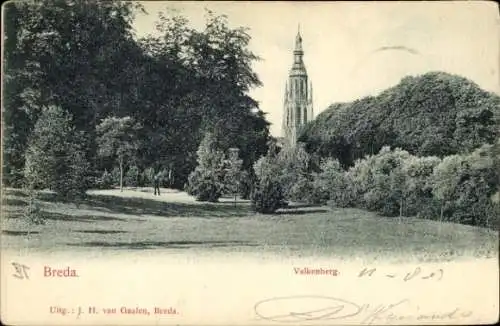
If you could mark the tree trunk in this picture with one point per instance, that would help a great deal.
(401, 209)
(121, 175)
(441, 219)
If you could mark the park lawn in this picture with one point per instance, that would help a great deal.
(135, 219)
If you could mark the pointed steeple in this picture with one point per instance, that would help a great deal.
(298, 42)
(298, 67)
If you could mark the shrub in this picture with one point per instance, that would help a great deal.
(302, 189)
(132, 176)
(294, 172)
(232, 173)
(267, 195)
(203, 185)
(147, 177)
(378, 183)
(105, 181)
(115, 176)
(331, 185)
(206, 182)
(418, 186)
(465, 185)
(246, 184)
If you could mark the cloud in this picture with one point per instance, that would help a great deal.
(397, 48)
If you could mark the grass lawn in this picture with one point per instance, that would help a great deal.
(136, 219)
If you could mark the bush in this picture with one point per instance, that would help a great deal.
(465, 185)
(302, 189)
(105, 181)
(267, 195)
(232, 174)
(378, 182)
(331, 185)
(204, 186)
(418, 186)
(164, 178)
(132, 176)
(246, 184)
(294, 172)
(115, 176)
(206, 182)
(392, 182)
(148, 177)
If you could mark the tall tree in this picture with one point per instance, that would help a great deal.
(118, 139)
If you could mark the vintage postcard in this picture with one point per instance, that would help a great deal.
(250, 163)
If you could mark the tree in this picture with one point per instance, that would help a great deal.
(83, 57)
(54, 158)
(177, 61)
(434, 114)
(233, 173)
(206, 182)
(77, 55)
(118, 139)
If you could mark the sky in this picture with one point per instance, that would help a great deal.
(354, 49)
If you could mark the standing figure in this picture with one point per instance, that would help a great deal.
(157, 183)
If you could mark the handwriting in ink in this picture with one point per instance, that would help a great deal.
(438, 275)
(21, 271)
(312, 307)
(325, 308)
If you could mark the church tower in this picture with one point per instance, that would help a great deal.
(297, 104)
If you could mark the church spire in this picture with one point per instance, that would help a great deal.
(298, 42)
(298, 67)
(297, 109)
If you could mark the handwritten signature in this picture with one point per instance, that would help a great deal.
(311, 307)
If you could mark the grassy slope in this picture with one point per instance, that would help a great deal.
(136, 219)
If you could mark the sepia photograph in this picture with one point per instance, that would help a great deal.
(250, 163)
